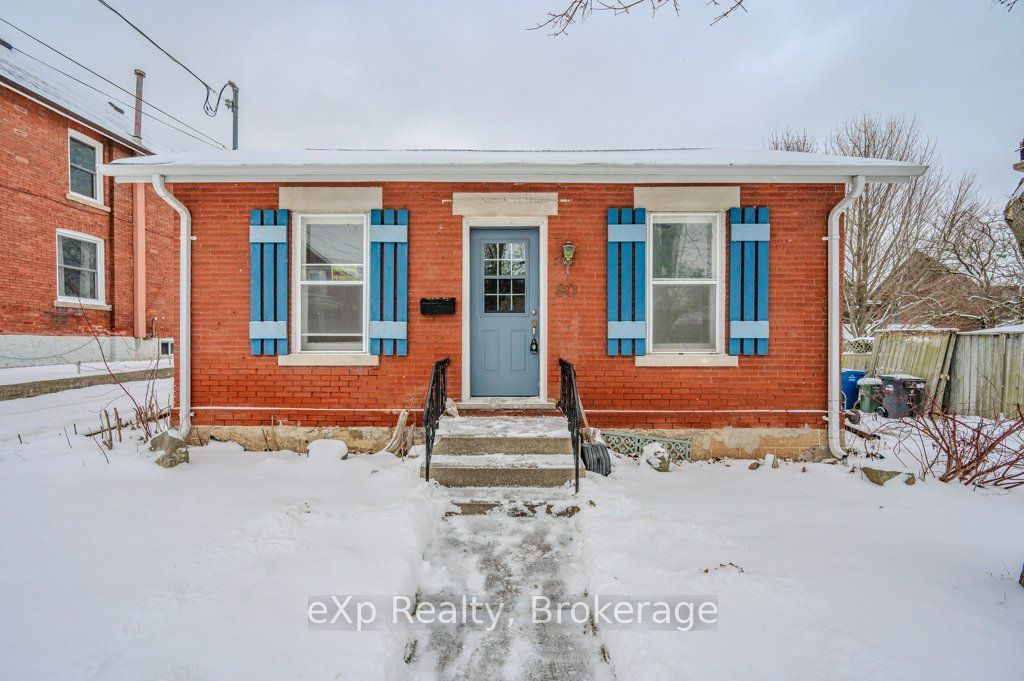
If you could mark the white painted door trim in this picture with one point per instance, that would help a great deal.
(541, 225)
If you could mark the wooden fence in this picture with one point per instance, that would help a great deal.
(979, 373)
(987, 374)
(857, 360)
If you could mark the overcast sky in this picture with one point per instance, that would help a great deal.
(466, 73)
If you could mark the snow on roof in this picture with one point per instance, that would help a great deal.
(1018, 193)
(925, 328)
(22, 73)
(592, 165)
(1008, 328)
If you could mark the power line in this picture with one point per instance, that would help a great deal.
(211, 110)
(107, 94)
(105, 79)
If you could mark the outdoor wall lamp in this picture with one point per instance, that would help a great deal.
(568, 251)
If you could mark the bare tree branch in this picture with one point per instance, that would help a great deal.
(792, 140)
(558, 23)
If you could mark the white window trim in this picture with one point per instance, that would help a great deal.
(97, 186)
(101, 288)
(693, 357)
(296, 341)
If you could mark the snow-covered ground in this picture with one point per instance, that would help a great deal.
(129, 571)
(818, 574)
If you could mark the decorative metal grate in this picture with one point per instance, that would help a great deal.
(632, 444)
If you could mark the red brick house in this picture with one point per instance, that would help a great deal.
(691, 287)
(85, 256)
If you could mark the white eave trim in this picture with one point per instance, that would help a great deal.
(838, 174)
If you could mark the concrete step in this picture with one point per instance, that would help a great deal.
(514, 501)
(503, 435)
(502, 470)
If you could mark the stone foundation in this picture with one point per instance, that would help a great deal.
(798, 444)
(295, 438)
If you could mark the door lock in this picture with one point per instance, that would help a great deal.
(533, 341)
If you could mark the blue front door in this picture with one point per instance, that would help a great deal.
(505, 313)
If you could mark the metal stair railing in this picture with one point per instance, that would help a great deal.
(433, 407)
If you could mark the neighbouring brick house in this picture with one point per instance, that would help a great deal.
(325, 284)
(71, 269)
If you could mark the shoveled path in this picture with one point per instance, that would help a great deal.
(505, 559)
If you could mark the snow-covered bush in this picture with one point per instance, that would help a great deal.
(966, 449)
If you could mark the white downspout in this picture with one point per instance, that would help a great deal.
(835, 320)
(184, 341)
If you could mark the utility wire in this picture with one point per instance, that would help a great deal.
(210, 109)
(103, 78)
(107, 94)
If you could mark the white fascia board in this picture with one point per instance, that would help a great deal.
(544, 173)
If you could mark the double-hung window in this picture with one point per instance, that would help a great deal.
(685, 294)
(331, 290)
(84, 155)
(79, 268)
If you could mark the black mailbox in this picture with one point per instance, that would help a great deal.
(437, 306)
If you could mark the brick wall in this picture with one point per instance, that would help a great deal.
(255, 390)
(34, 204)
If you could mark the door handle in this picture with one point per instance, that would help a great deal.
(533, 341)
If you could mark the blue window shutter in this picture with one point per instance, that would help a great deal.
(749, 236)
(627, 281)
(268, 282)
(389, 282)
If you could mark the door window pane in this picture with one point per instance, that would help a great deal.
(683, 317)
(504, 272)
(684, 249)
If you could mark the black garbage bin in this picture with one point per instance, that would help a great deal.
(902, 396)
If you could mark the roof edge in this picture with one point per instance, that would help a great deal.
(519, 172)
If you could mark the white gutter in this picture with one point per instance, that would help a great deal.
(835, 320)
(184, 340)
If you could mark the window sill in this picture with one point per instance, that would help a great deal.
(683, 360)
(81, 305)
(85, 200)
(315, 359)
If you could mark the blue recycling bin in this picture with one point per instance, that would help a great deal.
(849, 384)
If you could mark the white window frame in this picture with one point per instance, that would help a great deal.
(97, 182)
(718, 221)
(297, 249)
(101, 289)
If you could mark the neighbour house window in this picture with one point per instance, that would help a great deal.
(166, 347)
(331, 291)
(79, 267)
(685, 282)
(84, 155)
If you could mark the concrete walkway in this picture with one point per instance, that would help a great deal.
(503, 559)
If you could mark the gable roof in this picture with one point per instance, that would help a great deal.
(510, 165)
(65, 95)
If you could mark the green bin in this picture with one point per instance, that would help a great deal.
(870, 394)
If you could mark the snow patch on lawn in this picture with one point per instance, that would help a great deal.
(129, 571)
(818, 574)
